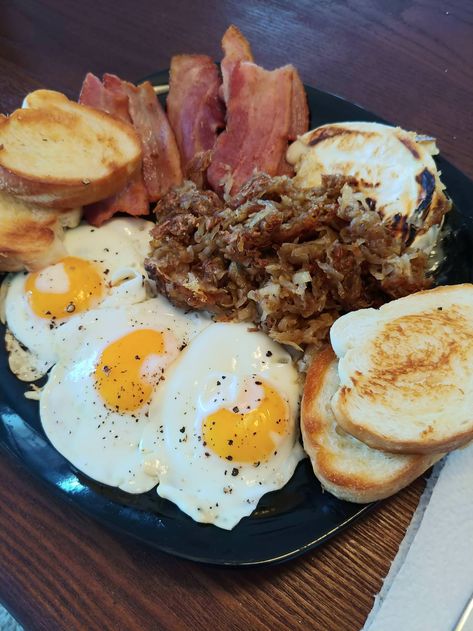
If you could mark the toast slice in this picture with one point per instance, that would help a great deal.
(406, 372)
(394, 170)
(59, 154)
(345, 466)
(31, 236)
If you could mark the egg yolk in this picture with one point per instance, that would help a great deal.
(126, 374)
(62, 290)
(247, 437)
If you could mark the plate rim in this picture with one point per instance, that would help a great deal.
(9, 446)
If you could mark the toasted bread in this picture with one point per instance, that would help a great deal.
(31, 236)
(394, 169)
(345, 466)
(406, 372)
(59, 154)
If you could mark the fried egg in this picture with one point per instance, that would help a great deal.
(394, 169)
(95, 405)
(103, 267)
(225, 428)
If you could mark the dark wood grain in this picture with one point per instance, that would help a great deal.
(61, 570)
(410, 61)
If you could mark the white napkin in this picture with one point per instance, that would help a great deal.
(431, 579)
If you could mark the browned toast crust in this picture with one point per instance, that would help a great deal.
(354, 487)
(414, 359)
(29, 169)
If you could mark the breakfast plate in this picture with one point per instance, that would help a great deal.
(287, 522)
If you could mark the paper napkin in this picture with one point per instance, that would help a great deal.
(431, 578)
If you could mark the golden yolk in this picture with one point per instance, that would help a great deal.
(121, 377)
(246, 437)
(85, 288)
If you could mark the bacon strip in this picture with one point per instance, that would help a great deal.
(299, 119)
(299, 108)
(259, 118)
(96, 94)
(229, 171)
(194, 108)
(111, 97)
(115, 87)
(236, 48)
(133, 200)
(161, 161)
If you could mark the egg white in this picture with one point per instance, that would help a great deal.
(103, 443)
(118, 247)
(207, 376)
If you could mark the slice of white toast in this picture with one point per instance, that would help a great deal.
(406, 372)
(31, 236)
(59, 154)
(345, 466)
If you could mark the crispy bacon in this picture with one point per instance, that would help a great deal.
(194, 108)
(111, 97)
(161, 161)
(236, 48)
(258, 122)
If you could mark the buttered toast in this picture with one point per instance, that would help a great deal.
(406, 372)
(59, 154)
(345, 466)
(31, 236)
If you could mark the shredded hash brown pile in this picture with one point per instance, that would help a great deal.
(290, 260)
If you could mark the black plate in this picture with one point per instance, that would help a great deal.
(287, 522)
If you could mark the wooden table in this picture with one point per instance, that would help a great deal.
(410, 61)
